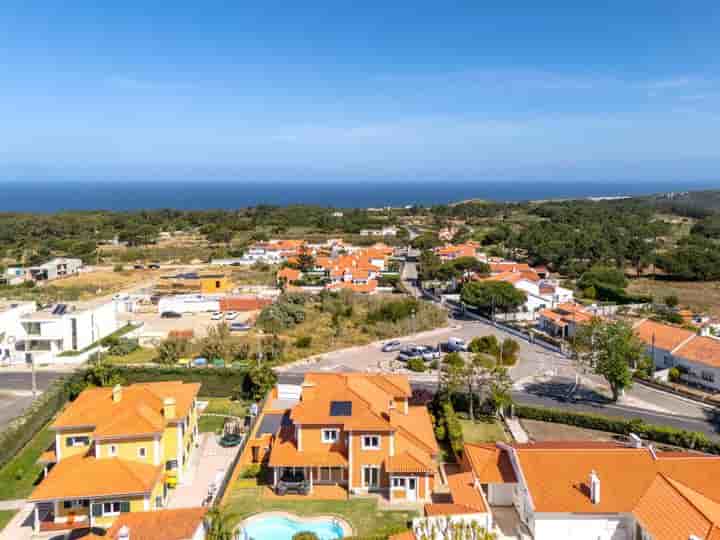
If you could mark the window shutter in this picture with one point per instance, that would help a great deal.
(125, 506)
(69, 441)
(97, 510)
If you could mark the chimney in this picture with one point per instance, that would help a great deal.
(169, 408)
(117, 393)
(124, 533)
(594, 488)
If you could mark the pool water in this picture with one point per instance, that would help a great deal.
(283, 528)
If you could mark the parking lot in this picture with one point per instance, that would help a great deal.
(197, 322)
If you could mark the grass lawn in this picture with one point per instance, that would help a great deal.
(139, 356)
(219, 406)
(5, 517)
(700, 296)
(483, 431)
(363, 514)
(18, 477)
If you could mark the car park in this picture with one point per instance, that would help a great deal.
(217, 316)
(230, 315)
(200, 362)
(154, 266)
(430, 353)
(391, 346)
(455, 344)
(170, 315)
(239, 327)
(408, 353)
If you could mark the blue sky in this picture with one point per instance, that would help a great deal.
(397, 90)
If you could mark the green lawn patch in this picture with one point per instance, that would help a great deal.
(116, 334)
(483, 431)
(5, 517)
(225, 406)
(363, 514)
(138, 356)
(210, 424)
(19, 476)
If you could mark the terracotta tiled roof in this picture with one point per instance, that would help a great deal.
(82, 477)
(666, 337)
(490, 464)
(464, 492)
(500, 267)
(448, 509)
(416, 425)
(240, 303)
(406, 535)
(138, 412)
(290, 274)
(368, 287)
(177, 524)
(566, 313)
(408, 462)
(701, 349)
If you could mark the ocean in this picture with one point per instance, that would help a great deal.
(56, 195)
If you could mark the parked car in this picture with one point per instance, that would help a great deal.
(293, 482)
(170, 315)
(154, 266)
(408, 353)
(230, 315)
(391, 346)
(455, 344)
(138, 267)
(239, 327)
(217, 316)
(430, 353)
(200, 362)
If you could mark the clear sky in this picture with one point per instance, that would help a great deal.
(395, 89)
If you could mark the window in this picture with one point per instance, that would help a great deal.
(77, 441)
(158, 502)
(76, 503)
(142, 452)
(330, 435)
(708, 376)
(171, 465)
(113, 508)
(113, 450)
(398, 482)
(371, 476)
(371, 442)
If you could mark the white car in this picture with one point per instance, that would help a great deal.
(230, 315)
(217, 316)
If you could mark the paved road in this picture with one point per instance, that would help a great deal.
(15, 391)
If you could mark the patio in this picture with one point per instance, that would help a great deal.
(319, 493)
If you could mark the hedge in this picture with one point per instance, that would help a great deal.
(692, 440)
(216, 382)
(21, 430)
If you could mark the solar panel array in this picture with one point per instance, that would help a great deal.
(341, 408)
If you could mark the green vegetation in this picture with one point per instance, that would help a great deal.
(487, 430)
(5, 517)
(363, 515)
(19, 476)
(416, 364)
(493, 296)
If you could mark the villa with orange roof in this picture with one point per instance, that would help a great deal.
(564, 319)
(696, 357)
(451, 252)
(584, 491)
(116, 450)
(357, 432)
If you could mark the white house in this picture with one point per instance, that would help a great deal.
(385, 231)
(55, 268)
(63, 327)
(541, 293)
(696, 357)
(588, 491)
(10, 327)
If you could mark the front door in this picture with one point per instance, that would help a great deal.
(411, 493)
(371, 477)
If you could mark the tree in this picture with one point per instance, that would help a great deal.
(217, 343)
(490, 296)
(610, 349)
(671, 301)
(305, 260)
(500, 389)
(452, 373)
(444, 528)
(171, 350)
(259, 381)
(220, 524)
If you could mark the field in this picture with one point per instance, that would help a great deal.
(548, 431)
(5, 517)
(18, 477)
(483, 431)
(699, 296)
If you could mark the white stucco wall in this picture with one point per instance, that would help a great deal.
(501, 494)
(583, 527)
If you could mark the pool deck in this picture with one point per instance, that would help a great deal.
(320, 492)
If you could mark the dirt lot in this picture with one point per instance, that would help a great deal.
(699, 296)
(103, 282)
(197, 322)
(547, 431)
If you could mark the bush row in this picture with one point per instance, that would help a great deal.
(216, 382)
(692, 440)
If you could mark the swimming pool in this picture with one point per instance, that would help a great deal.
(284, 527)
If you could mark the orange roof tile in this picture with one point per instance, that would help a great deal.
(406, 535)
(290, 274)
(176, 524)
(666, 337)
(490, 464)
(500, 267)
(138, 412)
(408, 462)
(284, 453)
(79, 477)
(701, 349)
(463, 491)
(448, 509)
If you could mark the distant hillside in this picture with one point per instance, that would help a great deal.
(696, 204)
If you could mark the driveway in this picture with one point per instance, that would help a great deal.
(209, 461)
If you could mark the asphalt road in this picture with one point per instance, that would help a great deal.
(15, 391)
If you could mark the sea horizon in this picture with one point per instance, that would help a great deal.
(48, 196)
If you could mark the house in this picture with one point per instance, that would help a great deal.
(116, 450)
(540, 293)
(288, 275)
(193, 283)
(696, 357)
(586, 491)
(358, 431)
(451, 252)
(46, 333)
(564, 319)
(14, 275)
(384, 231)
(11, 313)
(175, 524)
(55, 268)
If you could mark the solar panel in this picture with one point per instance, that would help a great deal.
(341, 408)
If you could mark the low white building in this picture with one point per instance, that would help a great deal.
(189, 303)
(46, 333)
(385, 231)
(541, 293)
(11, 314)
(55, 268)
(587, 491)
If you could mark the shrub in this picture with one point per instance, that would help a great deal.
(123, 347)
(393, 311)
(674, 374)
(305, 535)
(671, 300)
(416, 364)
(118, 268)
(251, 471)
(303, 342)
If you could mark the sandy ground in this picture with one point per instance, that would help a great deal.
(699, 296)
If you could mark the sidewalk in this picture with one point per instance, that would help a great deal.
(516, 430)
(17, 504)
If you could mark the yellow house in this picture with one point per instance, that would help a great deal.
(116, 451)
